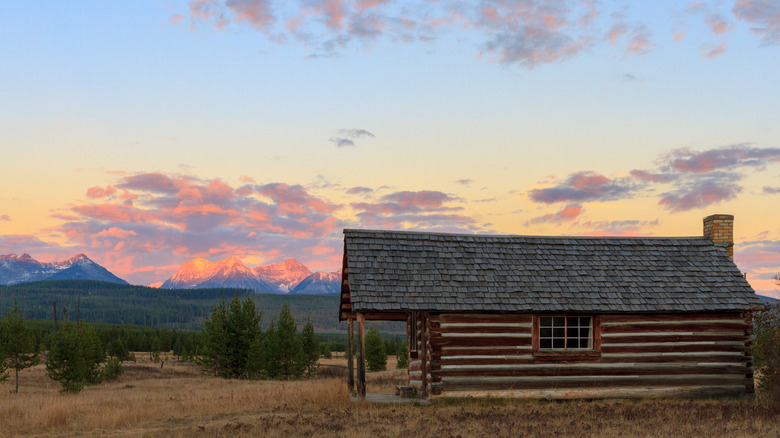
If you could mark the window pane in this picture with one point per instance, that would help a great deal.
(585, 321)
(585, 332)
(572, 332)
(558, 321)
(545, 332)
(585, 343)
(545, 321)
(558, 332)
(572, 343)
(545, 343)
(558, 343)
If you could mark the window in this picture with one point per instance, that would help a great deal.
(565, 333)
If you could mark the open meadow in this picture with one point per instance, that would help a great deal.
(176, 400)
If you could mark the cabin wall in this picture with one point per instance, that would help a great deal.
(637, 355)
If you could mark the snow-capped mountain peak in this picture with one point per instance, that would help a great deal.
(23, 268)
(232, 272)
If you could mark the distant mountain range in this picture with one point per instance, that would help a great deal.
(288, 277)
(280, 278)
(15, 269)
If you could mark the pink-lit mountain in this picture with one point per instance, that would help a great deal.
(287, 277)
(15, 269)
(319, 283)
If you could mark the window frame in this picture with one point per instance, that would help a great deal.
(584, 353)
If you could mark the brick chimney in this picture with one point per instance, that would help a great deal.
(719, 228)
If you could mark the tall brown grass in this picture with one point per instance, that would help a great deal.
(178, 401)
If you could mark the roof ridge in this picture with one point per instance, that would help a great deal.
(525, 236)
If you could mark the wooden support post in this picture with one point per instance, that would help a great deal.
(361, 360)
(350, 360)
(423, 355)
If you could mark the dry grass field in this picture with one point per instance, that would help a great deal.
(178, 401)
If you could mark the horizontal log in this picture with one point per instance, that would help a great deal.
(477, 334)
(671, 348)
(648, 343)
(585, 372)
(668, 327)
(635, 392)
(480, 318)
(480, 351)
(486, 329)
(483, 383)
(481, 342)
(669, 317)
(450, 326)
(620, 338)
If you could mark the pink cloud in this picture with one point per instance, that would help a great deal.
(5, 218)
(652, 177)
(763, 15)
(150, 182)
(567, 214)
(701, 193)
(585, 186)
(714, 52)
(256, 13)
(176, 19)
(100, 192)
(114, 213)
(618, 228)
(717, 24)
(725, 158)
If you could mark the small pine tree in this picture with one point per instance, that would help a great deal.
(376, 356)
(285, 350)
(214, 355)
(310, 347)
(17, 344)
(113, 369)
(65, 362)
(403, 361)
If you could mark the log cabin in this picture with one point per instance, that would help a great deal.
(555, 317)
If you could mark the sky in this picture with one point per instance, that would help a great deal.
(147, 133)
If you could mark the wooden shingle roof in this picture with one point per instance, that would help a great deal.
(394, 271)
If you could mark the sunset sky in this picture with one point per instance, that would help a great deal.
(147, 133)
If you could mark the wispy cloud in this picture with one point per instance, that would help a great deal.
(701, 192)
(585, 186)
(763, 16)
(360, 190)
(464, 181)
(348, 136)
(697, 178)
(771, 190)
(567, 214)
(425, 209)
(5, 218)
(618, 227)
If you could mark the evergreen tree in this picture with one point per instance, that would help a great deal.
(310, 346)
(65, 362)
(376, 356)
(230, 333)
(75, 356)
(256, 359)
(243, 328)
(214, 353)
(403, 361)
(285, 351)
(17, 343)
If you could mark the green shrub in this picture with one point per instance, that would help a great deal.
(113, 369)
(766, 351)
